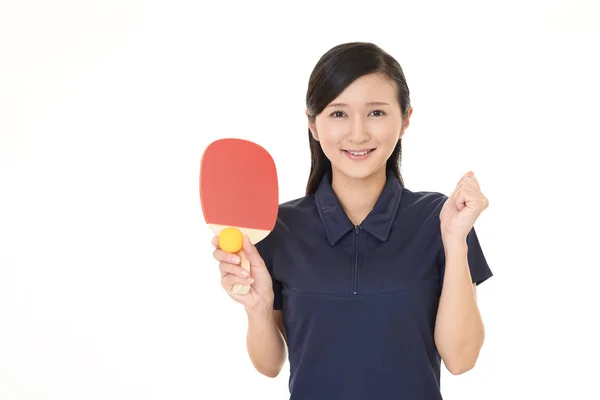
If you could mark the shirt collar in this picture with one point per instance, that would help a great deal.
(379, 221)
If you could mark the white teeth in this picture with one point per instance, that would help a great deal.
(362, 153)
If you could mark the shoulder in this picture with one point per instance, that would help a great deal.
(301, 206)
(293, 215)
(422, 201)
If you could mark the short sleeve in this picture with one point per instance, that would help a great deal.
(478, 266)
(480, 270)
(265, 249)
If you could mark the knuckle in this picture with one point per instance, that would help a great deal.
(220, 255)
(225, 267)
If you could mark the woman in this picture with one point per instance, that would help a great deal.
(367, 285)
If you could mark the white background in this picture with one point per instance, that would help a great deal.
(107, 285)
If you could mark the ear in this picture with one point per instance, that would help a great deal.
(312, 127)
(406, 122)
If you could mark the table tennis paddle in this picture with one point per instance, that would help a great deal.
(239, 195)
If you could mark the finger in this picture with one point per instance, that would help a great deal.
(467, 196)
(215, 241)
(459, 184)
(465, 176)
(227, 268)
(470, 186)
(473, 183)
(229, 281)
(222, 255)
(459, 197)
(470, 183)
(474, 179)
(486, 201)
(252, 254)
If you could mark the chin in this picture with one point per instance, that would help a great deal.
(362, 171)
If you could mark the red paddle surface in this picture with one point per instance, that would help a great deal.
(238, 185)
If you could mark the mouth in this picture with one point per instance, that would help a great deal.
(358, 154)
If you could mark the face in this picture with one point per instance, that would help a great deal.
(359, 130)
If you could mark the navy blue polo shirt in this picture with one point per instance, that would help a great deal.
(359, 302)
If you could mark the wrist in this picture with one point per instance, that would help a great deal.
(263, 310)
(259, 318)
(453, 245)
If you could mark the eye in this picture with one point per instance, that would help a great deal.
(337, 114)
(381, 113)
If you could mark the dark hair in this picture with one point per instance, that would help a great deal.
(335, 71)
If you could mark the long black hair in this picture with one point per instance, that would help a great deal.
(335, 71)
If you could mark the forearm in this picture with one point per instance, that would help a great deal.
(266, 346)
(459, 332)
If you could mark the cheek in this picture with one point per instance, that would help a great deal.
(331, 133)
(386, 134)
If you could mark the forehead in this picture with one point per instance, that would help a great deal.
(372, 87)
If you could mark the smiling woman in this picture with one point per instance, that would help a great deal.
(362, 281)
(364, 123)
(365, 87)
(353, 149)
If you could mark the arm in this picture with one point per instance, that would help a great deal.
(459, 332)
(266, 333)
(266, 341)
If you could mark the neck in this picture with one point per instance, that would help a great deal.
(358, 196)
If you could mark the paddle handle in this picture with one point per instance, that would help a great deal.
(239, 288)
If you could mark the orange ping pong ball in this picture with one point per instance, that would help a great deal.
(231, 240)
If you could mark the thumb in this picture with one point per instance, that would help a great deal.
(252, 254)
(468, 174)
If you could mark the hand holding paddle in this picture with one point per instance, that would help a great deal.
(261, 293)
(239, 195)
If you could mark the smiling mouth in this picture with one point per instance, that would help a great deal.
(358, 153)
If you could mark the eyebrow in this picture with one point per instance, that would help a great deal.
(372, 103)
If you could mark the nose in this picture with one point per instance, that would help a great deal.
(358, 130)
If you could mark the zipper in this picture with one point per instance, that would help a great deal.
(356, 238)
